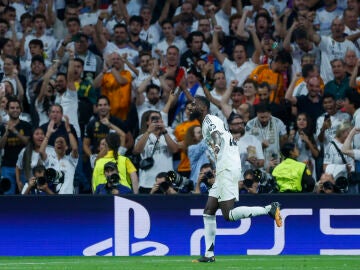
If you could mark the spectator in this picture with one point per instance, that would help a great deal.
(292, 175)
(338, 86)
(64, 164)
(331, 47)
(238, 69)
(347, 149)
(325, 15)
(301, 45)
(136, 23)
(334, 160)
(127, 171)
(15, 135)
(303, 137)
(44, 98)
(29, 158)
(39, 22)
(101, 125)
(194, 43)
(196, 150)
(250, 150)
(273, 74)
(115, 83)
(170, 39)
(154, 140)
(310, 103)
(269, 130)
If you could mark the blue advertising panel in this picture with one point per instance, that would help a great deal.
(172, 225)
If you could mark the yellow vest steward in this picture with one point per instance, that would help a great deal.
(288, 175)
(98, 173)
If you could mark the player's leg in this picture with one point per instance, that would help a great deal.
(232, 214)
(209, 219)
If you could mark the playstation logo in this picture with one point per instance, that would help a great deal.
(119, 244)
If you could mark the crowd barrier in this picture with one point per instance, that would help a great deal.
(138, 225)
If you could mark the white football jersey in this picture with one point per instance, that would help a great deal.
(228, 156)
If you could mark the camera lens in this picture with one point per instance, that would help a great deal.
(40, 181)
(328, 185)
(248, 183)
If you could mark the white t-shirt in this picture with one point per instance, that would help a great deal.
(132, 55)
(162, 157)
(330, 50)
(233, 72)
(332, 156)
(152, 34)
(163, 45)
(49, 46)
(69, 103)
(336, 120)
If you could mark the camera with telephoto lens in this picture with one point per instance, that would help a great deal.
(5, 185)
(113, 181)
(54, 176)
(40, 181)
(267, 183)
(178, 182)
(207, 176)
(341, 184)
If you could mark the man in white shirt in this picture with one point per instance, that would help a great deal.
(240, 68)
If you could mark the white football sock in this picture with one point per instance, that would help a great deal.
(247, 212)
(210, 233)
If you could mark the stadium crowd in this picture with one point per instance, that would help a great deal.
(97, 96)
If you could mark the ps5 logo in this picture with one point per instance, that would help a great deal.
(120, 244)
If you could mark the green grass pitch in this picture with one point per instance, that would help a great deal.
(182, 262)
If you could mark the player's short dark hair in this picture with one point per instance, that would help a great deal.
(204, 101)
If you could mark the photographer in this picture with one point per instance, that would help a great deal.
(205, 180)
(292, 175)
(112, 185)
(326, 184)
(256, 182)
(163, 185)
(250, 184)
(37, 184)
